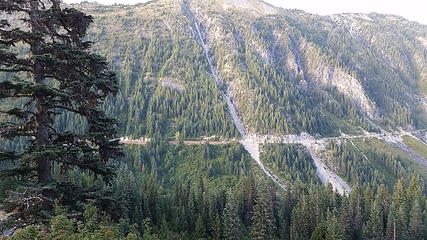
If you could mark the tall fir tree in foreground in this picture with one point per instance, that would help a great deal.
(56, 74)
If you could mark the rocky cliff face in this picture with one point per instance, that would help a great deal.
(326, 75)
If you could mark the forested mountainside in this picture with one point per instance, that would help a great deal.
(287, 71)
(240, 120)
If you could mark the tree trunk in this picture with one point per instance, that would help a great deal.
(42, 123)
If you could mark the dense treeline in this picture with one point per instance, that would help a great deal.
(172, 165)
(252, 209)
(369, 168)
(165, 86)
(278, 105)
(290, 162)
(218, 192)
(154, 106)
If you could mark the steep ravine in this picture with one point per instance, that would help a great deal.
(325, 174)
(251, 147)
(314, 147)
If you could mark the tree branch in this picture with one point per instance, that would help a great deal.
(69, 109)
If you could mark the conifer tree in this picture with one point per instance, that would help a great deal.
(249, 201)
(200, 230)
(399, 194)
(383, 197)
(391, 222)
(334, 231)
(231, 221)
(414, 191)
(263, 218)
(374, 228)
(402, 222)
(300, 219)
(216, 234)
(211, 216)
(358, 220)
(367, 200)
(345, 219)
(415, 222)
(319, 232)
(57, 74)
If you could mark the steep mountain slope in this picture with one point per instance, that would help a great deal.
(186, 65)
(286, 71)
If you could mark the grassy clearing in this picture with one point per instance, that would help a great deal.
(346, 126)
(415, 145)
(382, 147)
